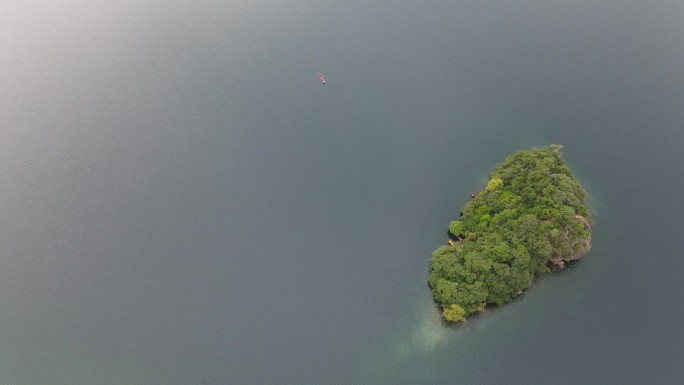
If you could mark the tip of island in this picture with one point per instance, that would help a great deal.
(530, 217)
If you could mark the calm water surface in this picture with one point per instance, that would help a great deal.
(182, 202)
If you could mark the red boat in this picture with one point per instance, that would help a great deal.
(321, 78)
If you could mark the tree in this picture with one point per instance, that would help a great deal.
(526, 219)
(456, 228)
(454, 313)
(494, 184)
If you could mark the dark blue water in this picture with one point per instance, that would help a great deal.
(182, 202)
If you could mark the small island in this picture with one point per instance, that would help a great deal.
(530, 218)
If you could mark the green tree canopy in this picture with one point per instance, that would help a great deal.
(454, 313)
(532, 213)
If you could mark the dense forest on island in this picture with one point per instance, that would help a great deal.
(530, 216)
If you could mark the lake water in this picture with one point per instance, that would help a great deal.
(182, 202)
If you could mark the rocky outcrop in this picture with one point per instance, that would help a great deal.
(572, 246)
